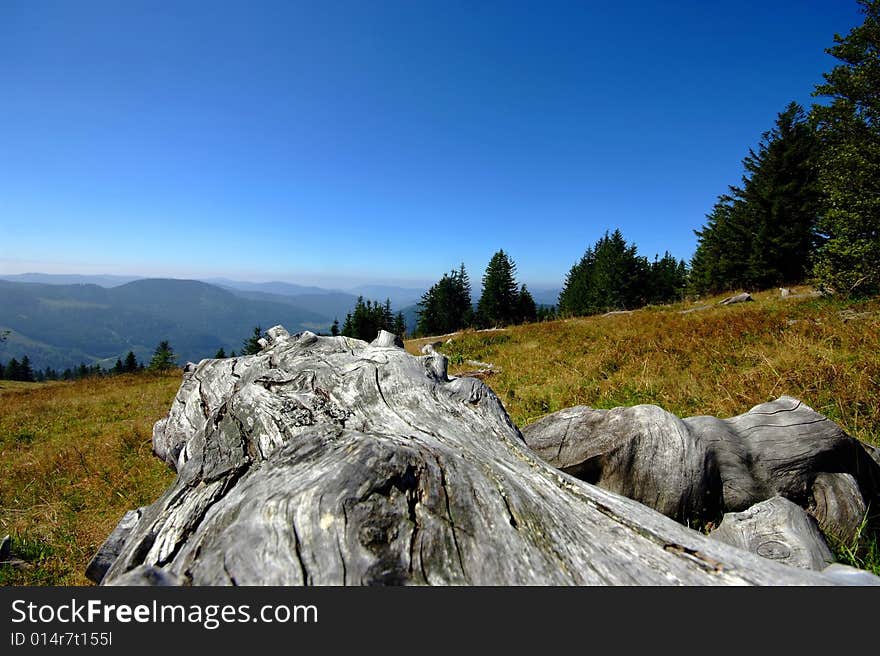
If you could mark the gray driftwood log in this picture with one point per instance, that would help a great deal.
(330, 461)
(745, 297)
(700, 467)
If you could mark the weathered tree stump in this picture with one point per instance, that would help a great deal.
(697, 468)
(330, 461)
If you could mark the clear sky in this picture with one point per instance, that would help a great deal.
(336, 142)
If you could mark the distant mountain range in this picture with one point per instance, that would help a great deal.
(61, 325)
(70, 279)
(62, 320)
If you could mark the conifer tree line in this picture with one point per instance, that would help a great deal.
(163, 359)
(808, 207)
(447, 306)
(368, 318)
(611, 275)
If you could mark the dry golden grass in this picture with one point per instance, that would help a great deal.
(73, 458)
(719, 361)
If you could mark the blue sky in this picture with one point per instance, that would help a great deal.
(332, 143)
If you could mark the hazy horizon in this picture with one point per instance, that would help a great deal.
(306, 279)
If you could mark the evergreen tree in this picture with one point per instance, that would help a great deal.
(13, 370)
(2, 371)
(232, 354)
(26, 373)
(446, 307)
(388, 316)
(130, 365)
(82, 371)
(163, 357)
(547, 312)
(763, 233)
(574, 296)
(251, 345)
(220, 354)
(848, 259)
(118, 368)
(667, 280)
(527, 310)
(334, 329)
(399, 325)
(609, 276)
(499, 301)
(367, 319)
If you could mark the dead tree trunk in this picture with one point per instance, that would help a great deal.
(330, 461)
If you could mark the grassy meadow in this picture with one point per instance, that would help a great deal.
(75, 456)
(718, 360)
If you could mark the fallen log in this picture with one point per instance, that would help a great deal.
(738, 298)
(330, 461)
(698, 468)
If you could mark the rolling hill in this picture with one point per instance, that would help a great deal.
(63, 325)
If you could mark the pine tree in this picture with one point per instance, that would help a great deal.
(667, 280)
(2, 371)
(547, 312)
(163, 357)
(220, 354)
(399, 325)
(446, 307)
(763, 233)
(527, 311)
(118, 368)
(574, 296)
(13, 370)
(367, 319)
(499, 301)
(609, 276)
(26, 373)
(130, 365)
(388, 316)
(251, 345)
(848, 259)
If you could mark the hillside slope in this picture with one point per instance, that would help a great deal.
(689, 358)
(62, 325)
